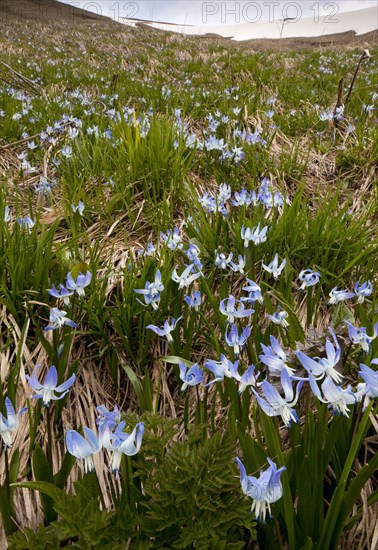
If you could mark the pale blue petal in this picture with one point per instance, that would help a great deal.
(266, 407)
(77, 445)
(271, 394)
(12, 419)
(93, 439)
(66, 385)
(70, 283)
(132, 444)
(33, 381)
(287, 385)
(310, 364)
(51, 379)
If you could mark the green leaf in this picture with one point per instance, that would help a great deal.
(79, 267)
(332, 527)
(42, 472)
(6, 512)
(144, 400)
(175, 360)
(14, 466)
(354, 491)
(309, 545)
(60, 478)
(342, 313)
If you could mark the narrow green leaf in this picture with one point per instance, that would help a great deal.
(42, 472)
(175, 360)
(339, 494)
(6, 513)
(60, 478)
(14, 466)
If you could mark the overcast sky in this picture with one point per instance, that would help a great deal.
(199, 12)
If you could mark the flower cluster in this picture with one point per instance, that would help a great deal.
(72, 285)
(264, 490)
(111, 436)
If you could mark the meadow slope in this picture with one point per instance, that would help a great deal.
(196, 199)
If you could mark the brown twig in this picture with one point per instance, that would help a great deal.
(19, 79)
(338, 101)
(365, 55)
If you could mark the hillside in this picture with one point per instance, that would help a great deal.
(188, 242)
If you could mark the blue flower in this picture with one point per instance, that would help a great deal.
(62, 293)
(78, 208)
(279, 318)
(241, 198)
(222, 368)
(222, 261)
(58, 319)
(274, 357)
(227, 307)
(254, 235)
(337, 296)
(273, 268)
(151, 291)
(187, 277)
(173, 239)
(264, 490)
(369, 388)
(248, 378)
(238, 267)
(208, 203)
(334, 395)
(278, 198)
(363, 290)
(46, 391)
(308, 278)
(110, 418)
(66, 151)
(26, 222)
(264, 195)
(120, 442)
(149, 250)
(319, 367)
(224, 193)
(194, 300)
(234, 340)
(254, 292)
(274, 404)
(238, 154)
(81, 282)
(190, 377)
(192, 254)
(82, 449)
(9, 423)
(7, 216)
(166, 329)
(359, 335)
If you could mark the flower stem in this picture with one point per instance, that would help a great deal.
(309, 306)
(7, 482)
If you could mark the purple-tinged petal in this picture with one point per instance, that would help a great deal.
(77, 446)
(51, 378)
(287, 385)
(66, 385)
